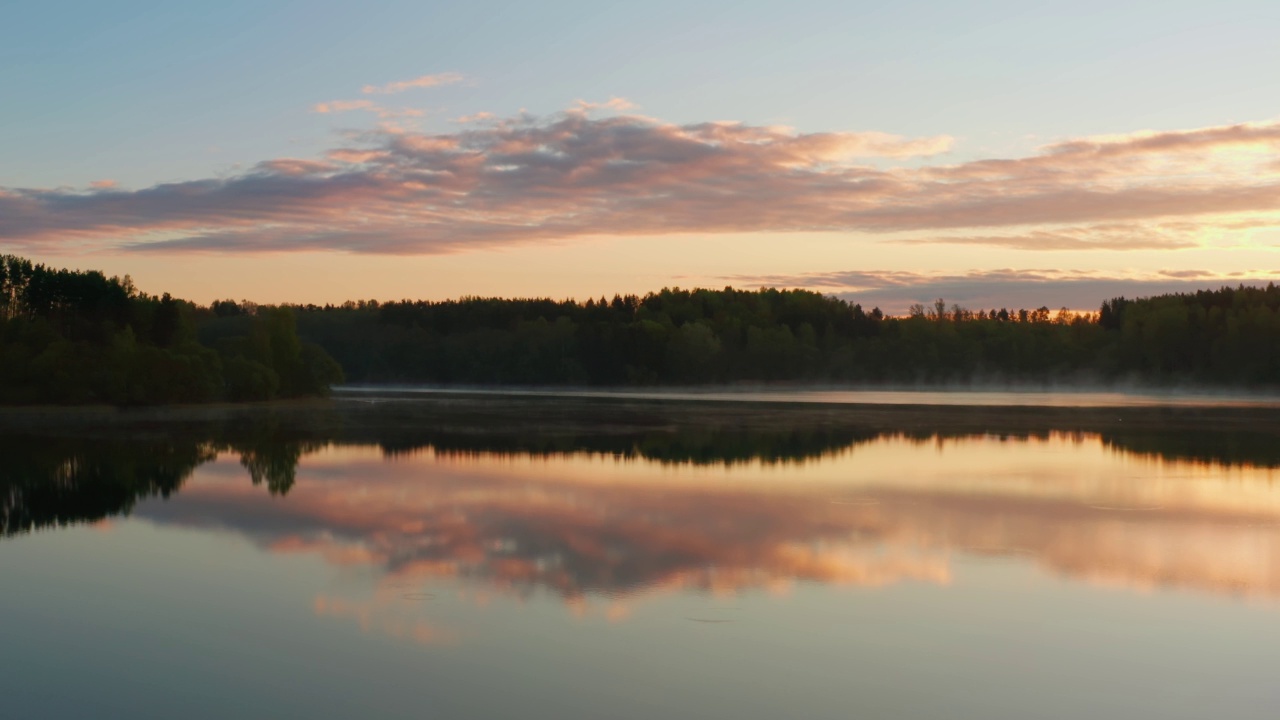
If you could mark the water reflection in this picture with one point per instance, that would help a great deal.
(53, 482)
(607, 514)
(60, 481)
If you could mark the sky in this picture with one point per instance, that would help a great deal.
(989, 153)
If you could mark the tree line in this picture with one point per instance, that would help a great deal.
(1223, 337)
(73, 337)
(81, 337)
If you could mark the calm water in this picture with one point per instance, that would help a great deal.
(971, 398)
(345, 563)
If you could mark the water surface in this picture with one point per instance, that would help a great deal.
(399, 562)
(1023, 397)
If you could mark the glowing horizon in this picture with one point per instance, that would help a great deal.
(424, 176)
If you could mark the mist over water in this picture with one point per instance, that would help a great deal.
(968, 394)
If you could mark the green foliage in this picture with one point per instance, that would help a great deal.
(80, 337)
(249, 380)
(69, 337)
(1221, 337)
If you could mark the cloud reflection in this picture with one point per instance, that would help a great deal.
(609, 505)
(592, 530)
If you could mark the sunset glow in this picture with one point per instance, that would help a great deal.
(730, 359)
(428, 174)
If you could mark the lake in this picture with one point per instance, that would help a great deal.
(492, 556)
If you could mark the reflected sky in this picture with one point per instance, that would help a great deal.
(846, 572)
(594, 529)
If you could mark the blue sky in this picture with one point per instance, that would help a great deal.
(143, 93)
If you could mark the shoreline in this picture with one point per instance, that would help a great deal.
(550, 412)
(1103, 397)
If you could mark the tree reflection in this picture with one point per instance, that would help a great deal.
(1252, 449)
(84, 472)
(60, 481)
(64, 480)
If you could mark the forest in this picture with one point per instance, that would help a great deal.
(1229, 337)
(76, 337)
(73, 337)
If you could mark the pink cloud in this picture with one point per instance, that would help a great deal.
(385, 113)
(614, 103)
(293, 167)
(895, 290)
(481, 519)
(337, 106)
(1261, 135)
(524, 179)
(424, 81)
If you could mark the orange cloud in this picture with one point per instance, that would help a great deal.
(1118, 236)
(527, 179)
(1261, 136)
